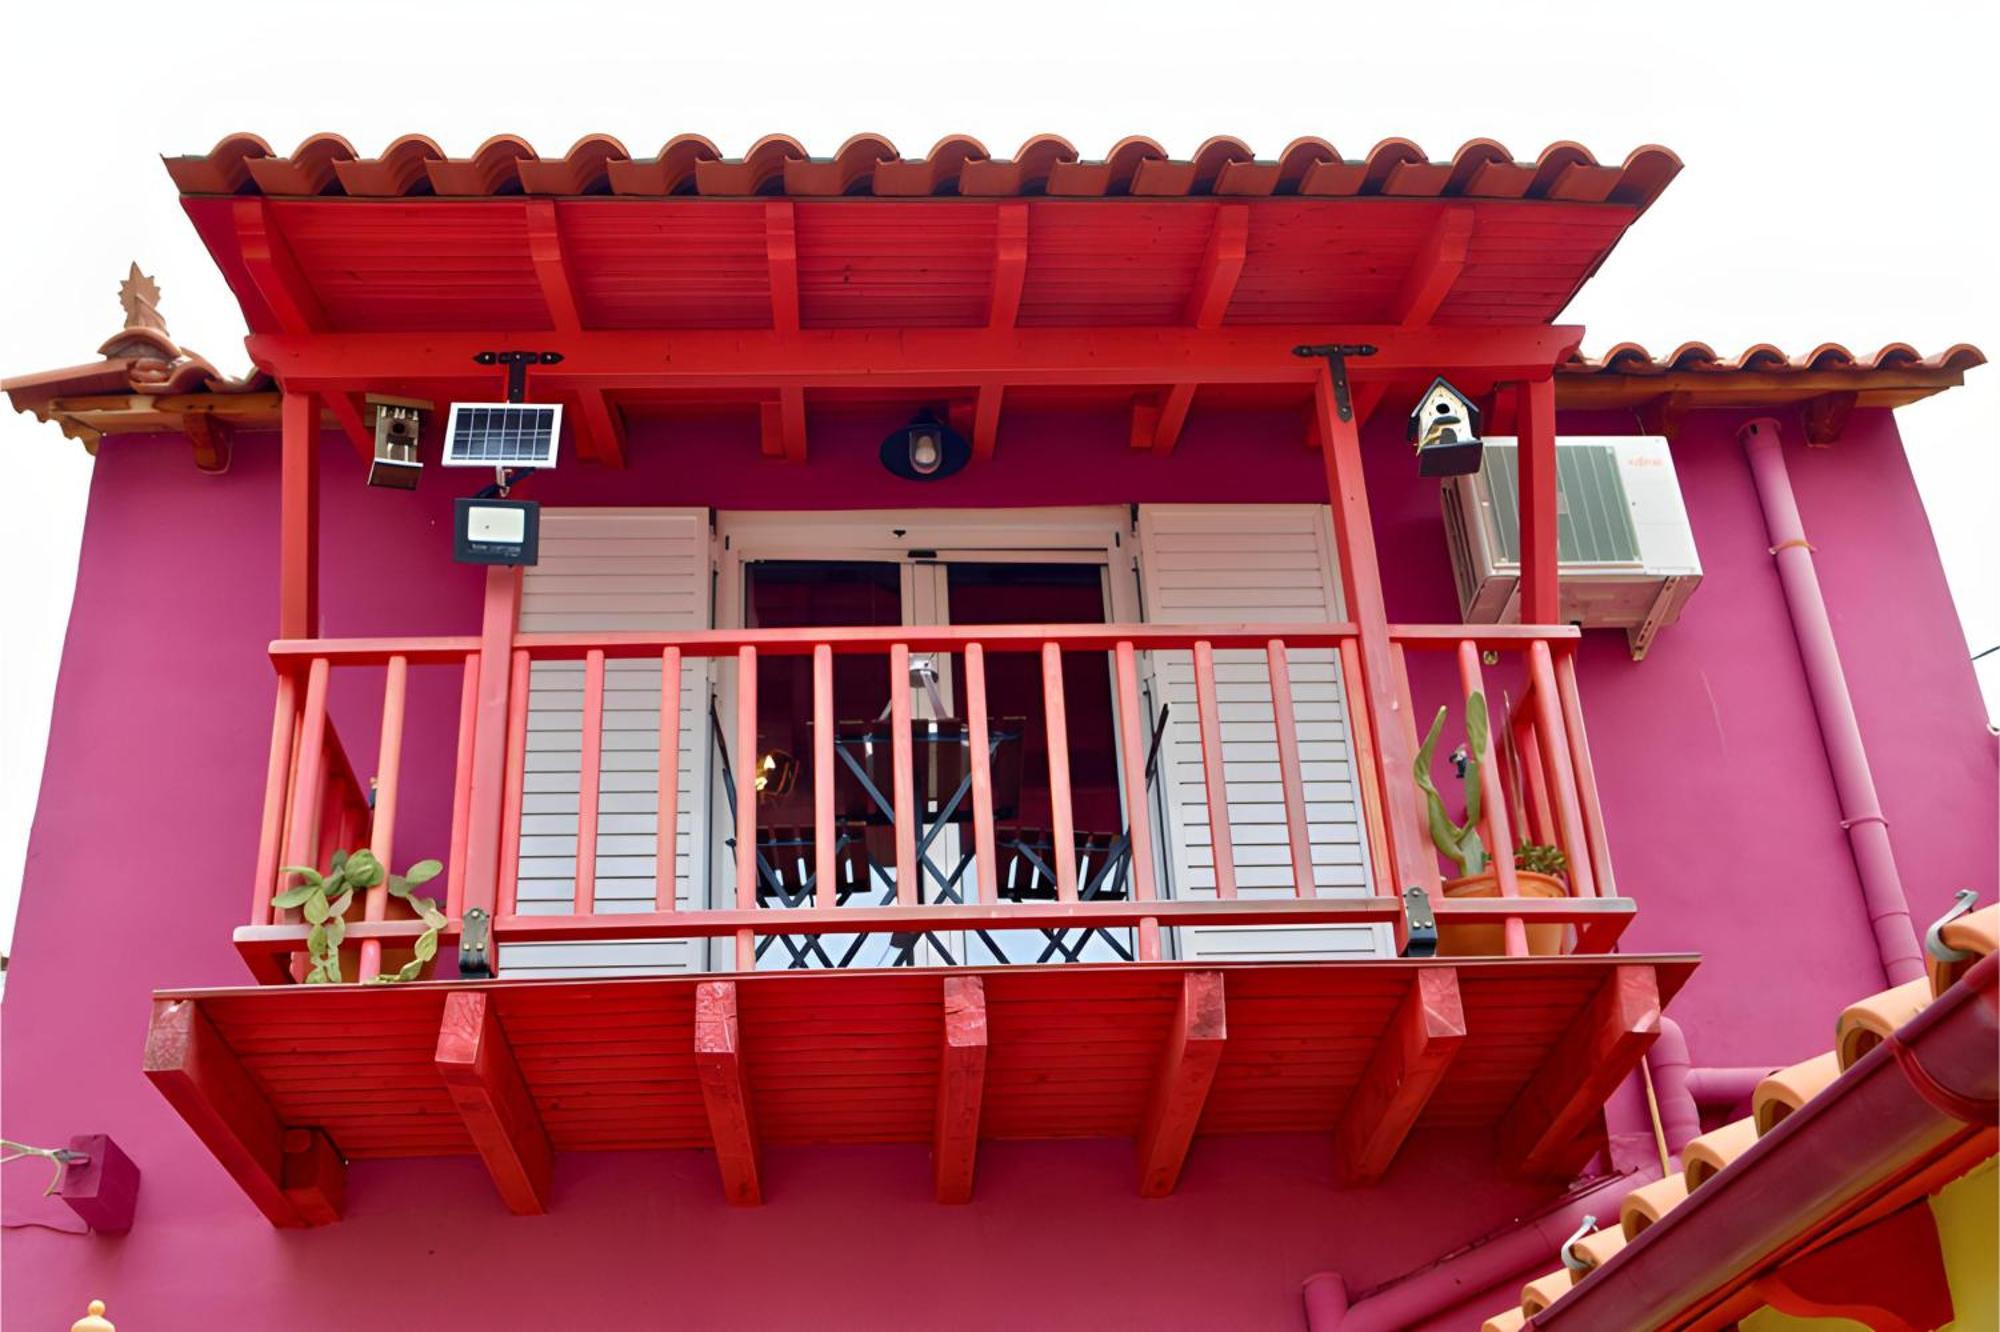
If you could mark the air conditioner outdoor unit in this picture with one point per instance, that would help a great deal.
(1626, 552)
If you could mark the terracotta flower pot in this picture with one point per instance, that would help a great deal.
(1490, 940)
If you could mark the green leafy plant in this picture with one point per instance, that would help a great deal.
(1540, 858)
(1458, 842)
(323, 899)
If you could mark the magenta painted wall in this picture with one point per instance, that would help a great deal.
(1721, 816)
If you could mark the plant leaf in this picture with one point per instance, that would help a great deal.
(427, 945)
(306, 872)
(433, 917)
(294, 896)
(338, 906)
(316, 940)
(424, 871)
(336, 931)
(398, 886)
(339, 861)
(316, 907)
(364, 870)
(410, 971)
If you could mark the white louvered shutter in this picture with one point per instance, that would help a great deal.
(607, 569)
(1254, 564)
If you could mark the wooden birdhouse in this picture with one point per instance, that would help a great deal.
(1445, 429)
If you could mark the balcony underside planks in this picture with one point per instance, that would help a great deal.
(866, 1057)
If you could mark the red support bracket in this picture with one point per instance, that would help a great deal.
(718, 1058)
(1156, 423)
(601, 437)
(1010, 265)
(1409, 1062)
(279, 281)
(478, 1068)
(211, 436)
(1826, 417)
(782, 425)
(1436, 269)
(1187, 1070)
(961, 1086)
(1550, 1129)
(781, 252)
(545, 250)
(293, 1183)
(1889, 1276)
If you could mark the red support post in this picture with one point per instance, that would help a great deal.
(961, 1086)
(1215, 780)
(513, 794)
(1381, 690)
(277, 785)
(309, 785)
(718, 1057)
(461, 788)
(486, 1085)
(666, 859)
(484, 852)
(1541, 594)
(1187, 1070)
(1493, 797)
(1555, 748)
(298, 517)
(1410, 1060)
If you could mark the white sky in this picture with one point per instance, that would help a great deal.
(1841, 181)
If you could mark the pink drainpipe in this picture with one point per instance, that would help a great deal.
(1480, 1267)
(1860, 810)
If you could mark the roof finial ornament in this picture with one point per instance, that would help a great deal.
(140, 296)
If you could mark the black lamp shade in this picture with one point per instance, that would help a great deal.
(925, 450)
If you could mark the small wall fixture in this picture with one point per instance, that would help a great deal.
(1445, 429)
(925, 450)
(398, 423)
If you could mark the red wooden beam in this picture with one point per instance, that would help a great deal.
(484, 817)
(754, 361)
(1437, 267)
(601, 429)
(211, 436)
(986, 420)
(201, 1077)
(1187, 1069)
(545, 251)
(280, 283)
(961, 1085)
(718, 1058)
(1409, 1062)
(315, 1176)
(781, 252)
(486, 1085)
(348, 411)
(1541, 595)
(782, 425)
(1156, 425)
(298, 517)
(1010, 265)
(1548, 1130)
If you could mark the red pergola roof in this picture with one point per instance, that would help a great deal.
(958, 165)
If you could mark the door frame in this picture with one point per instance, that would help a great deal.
(917, 540)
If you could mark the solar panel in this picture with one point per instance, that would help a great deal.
(502, 434)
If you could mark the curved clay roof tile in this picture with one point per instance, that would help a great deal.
(759, 171)
(1646, 1204)
(671, 172)
(492, 168)
(848, 171)
(935, 173)
(1474, 158)
(308, 171)
(1691, 356)
(400, 170)
(1760, 356)
(1386, 158)
(1961, 356)
(1647, 171)
(1828, 356)
(223, 169)
(582, 170)
(1027, 172)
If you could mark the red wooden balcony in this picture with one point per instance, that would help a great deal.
(283, 1081)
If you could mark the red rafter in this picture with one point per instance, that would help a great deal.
(1157, 425)
(283, 287)
(600, 430)
(961, 1084)
(718, 1057)
(1437, 267)
(1409, 1062)
(1547, 1132)
(1010, 273)
(478, 1067)
(1187, 1070)
(781, 250)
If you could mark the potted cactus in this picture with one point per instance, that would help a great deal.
(1536, 867)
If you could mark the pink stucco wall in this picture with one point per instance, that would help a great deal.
(1721, 815)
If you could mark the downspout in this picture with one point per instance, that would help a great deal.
(1860, 809)
(1523, 1251)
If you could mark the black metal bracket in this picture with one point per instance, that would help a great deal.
(473, 958)
(1335, 354)
(517, 363)
(1422, 939)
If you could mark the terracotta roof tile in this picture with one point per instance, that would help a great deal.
(1632, 358)
(869, 164)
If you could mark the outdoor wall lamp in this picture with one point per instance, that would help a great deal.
(777, 773)
(925, 450)
(1445, 429)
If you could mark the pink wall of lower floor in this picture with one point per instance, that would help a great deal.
(848, 1239)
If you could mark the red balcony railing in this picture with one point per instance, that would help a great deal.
(1538, 783)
